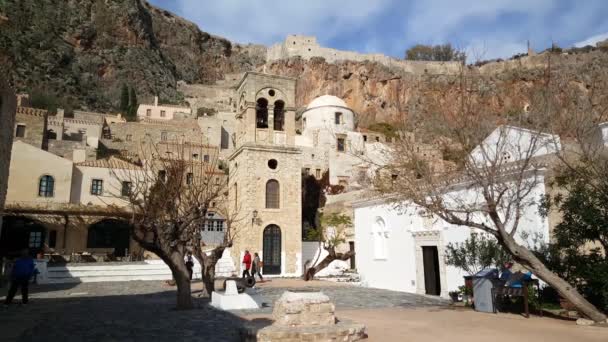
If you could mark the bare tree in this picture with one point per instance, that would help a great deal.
(330, 233)
(170, 194)
(209, 253)
(493, 180)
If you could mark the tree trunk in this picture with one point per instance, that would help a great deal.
(310, 272)
(525, 257)
(182, 280)
(208, 263)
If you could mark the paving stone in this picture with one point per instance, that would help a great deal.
(143, 311)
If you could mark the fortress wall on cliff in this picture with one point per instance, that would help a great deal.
(307, 48)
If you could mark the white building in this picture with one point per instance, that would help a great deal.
(161, 112)
(403, 250)
(329, 141)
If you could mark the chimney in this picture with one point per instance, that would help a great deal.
(79, 155)
(155, 101)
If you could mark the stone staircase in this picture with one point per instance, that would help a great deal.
(120, 271)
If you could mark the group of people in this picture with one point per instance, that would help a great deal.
(255, 266)
(252, 267)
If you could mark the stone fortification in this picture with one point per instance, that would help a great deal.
(307, 48)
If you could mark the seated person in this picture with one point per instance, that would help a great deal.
(506, 271)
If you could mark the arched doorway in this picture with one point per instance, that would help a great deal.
(109, 233)
(19, 233)
(272, 249)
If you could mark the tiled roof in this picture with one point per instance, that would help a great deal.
(110, 163)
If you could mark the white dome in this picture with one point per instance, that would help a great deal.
(325, 101)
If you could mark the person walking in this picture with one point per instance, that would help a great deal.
(22, 272)
(256, 267)
(190, 263)
(247, 263)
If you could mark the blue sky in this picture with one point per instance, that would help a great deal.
(485, 29)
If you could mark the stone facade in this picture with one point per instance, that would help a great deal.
(307, 48)
(162, 112)
(30, 126)
(266, 155)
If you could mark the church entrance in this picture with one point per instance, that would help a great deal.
(430, 258)
(110, 234)
(272, 250)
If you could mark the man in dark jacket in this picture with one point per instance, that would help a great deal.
(22, 272)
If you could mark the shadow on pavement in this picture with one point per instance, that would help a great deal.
(145, 317)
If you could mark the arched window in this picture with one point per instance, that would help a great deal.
(261, 113)
(380, 237)
(272, 194)
(279, 115)
(46, 187)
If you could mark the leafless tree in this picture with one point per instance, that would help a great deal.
(169, 195)
(490, 183)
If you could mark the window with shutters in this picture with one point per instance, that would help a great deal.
(96, 187)
(272, 194)
(46, 186)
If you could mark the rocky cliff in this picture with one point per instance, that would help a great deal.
(82, 51)
(381, 94)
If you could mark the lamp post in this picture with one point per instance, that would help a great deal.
(254, 215)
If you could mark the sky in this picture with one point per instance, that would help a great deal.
(485, 29)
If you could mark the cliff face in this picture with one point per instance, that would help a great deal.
(82, 51)
(380, 94)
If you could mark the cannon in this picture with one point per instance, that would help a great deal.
(241, 283)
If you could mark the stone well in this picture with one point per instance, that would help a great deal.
(306, 316)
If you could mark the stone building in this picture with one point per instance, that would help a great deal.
(162, 112)
(30, 126)
(265, 174)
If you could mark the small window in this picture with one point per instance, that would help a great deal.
(304, 123)
(189, 178)
(163, 113)
(195, 156)
(338, 118)
(35, 240)
(378, 139)
(125, 191)
(271, 92)
(148, 112)
(206, 158)
(365, 138)
(46, 187)
(52, 238)
(340, 144)
(272, 194)
(272, 164)
(129, 137)
(318, 173)
(162, 175)
(163, 136)
(96, 187)
(217, 180)
(20, 131)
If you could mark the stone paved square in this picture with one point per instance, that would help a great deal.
(143, 311)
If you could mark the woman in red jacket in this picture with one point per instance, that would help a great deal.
(247, 262)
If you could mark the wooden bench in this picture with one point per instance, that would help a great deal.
(500, 290)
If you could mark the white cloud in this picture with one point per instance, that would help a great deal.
(592, 40)
(267, 21)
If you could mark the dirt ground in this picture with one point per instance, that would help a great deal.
(401, 325)
(454, 325)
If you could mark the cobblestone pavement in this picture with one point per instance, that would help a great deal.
(143, 311)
